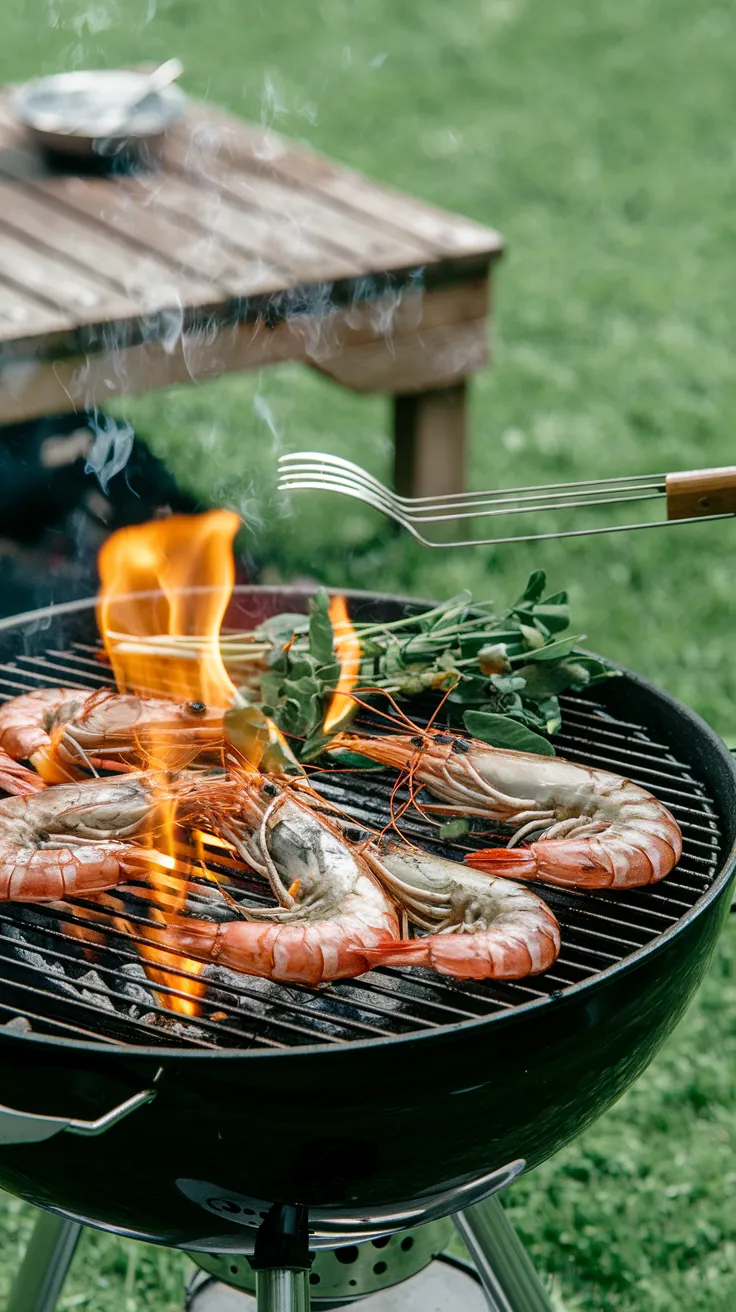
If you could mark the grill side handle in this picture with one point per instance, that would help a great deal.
(24, 1127)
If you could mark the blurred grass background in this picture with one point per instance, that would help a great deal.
(600, 140)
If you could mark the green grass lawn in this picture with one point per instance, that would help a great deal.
(600, 139)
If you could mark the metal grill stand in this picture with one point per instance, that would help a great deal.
(282, 1262)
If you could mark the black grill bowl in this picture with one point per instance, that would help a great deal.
(372, 1121)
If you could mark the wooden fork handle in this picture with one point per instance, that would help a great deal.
(701, 492)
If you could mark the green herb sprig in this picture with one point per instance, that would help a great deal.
(503, 671)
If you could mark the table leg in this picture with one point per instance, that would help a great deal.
(430, 442)
(44, 1268)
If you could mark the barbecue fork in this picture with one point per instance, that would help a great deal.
(699, 494)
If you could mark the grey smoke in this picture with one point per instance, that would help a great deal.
(110, 450)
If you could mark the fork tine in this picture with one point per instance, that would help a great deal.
(560, 496)
(358, 494)
(330, 484)
(318, 477)
(322, 462)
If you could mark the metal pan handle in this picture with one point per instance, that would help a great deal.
(25, 1127)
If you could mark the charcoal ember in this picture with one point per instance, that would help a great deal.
(18, 1025)
(77, 979)
(92, 988)
(134, 984)
(31, 956)
(174, 1028)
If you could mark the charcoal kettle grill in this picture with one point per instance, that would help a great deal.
(283, 1122)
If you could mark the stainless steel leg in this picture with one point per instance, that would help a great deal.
(282, 1291)
(510, 1282)
(45, 1264)
(282, 1260)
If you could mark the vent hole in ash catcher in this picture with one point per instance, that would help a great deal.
(347, 1255)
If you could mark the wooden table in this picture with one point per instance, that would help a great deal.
(240, 250)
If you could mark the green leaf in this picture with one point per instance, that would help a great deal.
(550, 678)
(269, 691)
(469, 691)
(303, 666)
(352, 760)
(257, 738)
(549, 710)
(597, 669)
(392, 664)
(470, 644)
(280, 628)
(535, 587)
(320, 629)
(507, 682)
(502, 731)
(552, 651)
(554, 615)
(455, 829)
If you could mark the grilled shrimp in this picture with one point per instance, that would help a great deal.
(63, 730)
(81, 838)
(73, 839)
(480, 928)
(332, 911)
(594, 829)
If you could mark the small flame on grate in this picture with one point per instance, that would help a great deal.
(347, 650)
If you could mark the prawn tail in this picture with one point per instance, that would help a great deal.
(506, 862)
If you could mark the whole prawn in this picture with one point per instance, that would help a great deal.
(64, 732)
(592, 829)
(80, 838)
(479, 928)
(332, 912)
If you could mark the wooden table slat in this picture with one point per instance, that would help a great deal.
(105, 203)
(22, 315)
(50, 279)
(273, 239)
(332, 226)
(138, 275)
(448, 236)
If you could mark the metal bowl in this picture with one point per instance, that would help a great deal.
(66, 113)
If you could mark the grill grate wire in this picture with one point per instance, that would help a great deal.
(46, 977)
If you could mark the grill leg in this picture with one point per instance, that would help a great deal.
(506, 1272)
(45, 1265)
(281, 1261)
(282, 1291)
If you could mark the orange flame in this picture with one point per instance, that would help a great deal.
(170, 578)
(347, 650)
(186, 564)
